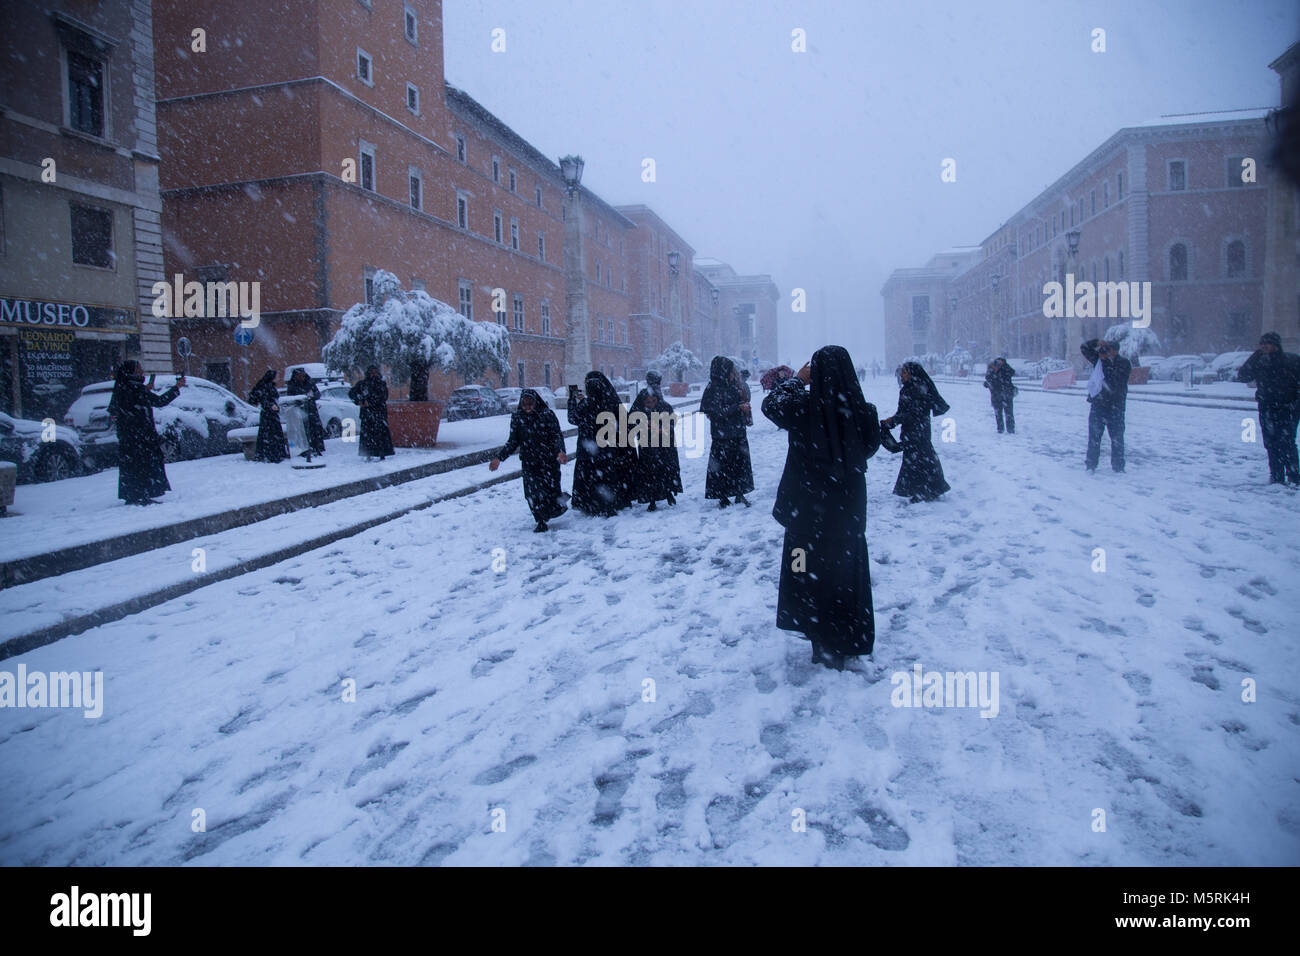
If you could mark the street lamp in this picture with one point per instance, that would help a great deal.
(717, 328)
(577, 325)
(1073, 327)
(995, 333)
(675, 297)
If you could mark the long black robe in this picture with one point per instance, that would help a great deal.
(141, 474)
(1277, 394)
(920, 475)
(536, 437)
(825, 586)
(730, 472)
(605, 471)
(315, 429)
(371, 396)
(659, 472)
(272, 446)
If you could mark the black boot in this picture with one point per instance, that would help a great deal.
(541, 526)
(741, 499)
(671, 499)
(723, 502)
(652, 507)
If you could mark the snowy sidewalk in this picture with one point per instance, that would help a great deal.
(616, 691)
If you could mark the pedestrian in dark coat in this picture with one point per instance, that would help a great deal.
(727, 407)
(605, 470)
(272, 446)
(371, 396)
(920, 477)
(1108, 395)
(825, 589)
(659, 474)
(141, 474)
(1001, 393)
(535, 434)
(300, 383)
(1276, 375)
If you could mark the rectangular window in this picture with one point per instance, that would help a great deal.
(466, 299)
(496, 170)
(85, 94)
(519, 313)
(546, 319)
(1121, 265)
(541, 247)
(411, 26)
(92, 236)
(597, 273)
(413, 98)
(368, 284)
(365, 67)
(1235, 170)
(1105, 194)
(460, 147)
(1093, 211)
(367, 171)
(1177, 175)
(417, 188)
(519, 367)
(920, 313)
(462, 210)
(501, 316)
(600, 329)
(539, 197)
(497, 233)
(514, 233)
(1119, 179)
(514, 181)
(546, 374)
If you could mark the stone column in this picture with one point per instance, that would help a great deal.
(577, 325)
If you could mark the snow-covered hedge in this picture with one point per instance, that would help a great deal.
(413, 332)
(678, 360)
(1133, 342)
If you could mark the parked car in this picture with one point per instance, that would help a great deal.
(510, 396)
(22, 443)
(548, 396)
(336, 408)
(192, 426)
(1224, 367)
(1175, 367)
(473, 401)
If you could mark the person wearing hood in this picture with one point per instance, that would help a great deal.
(272, 446)
(300, 383)
(920, 477)
(726, 404)
(1276, 375)
(1001, 393)
(659, 473)
(535, 434)
(825, 587)
(1108, 396)
(606, 463)
(141, 475)
(371, 396)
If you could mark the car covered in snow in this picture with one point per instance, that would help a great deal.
(1224, 368)
(473, 401)
(336, 408)
(511, 396)
(41, 451)
(1174, 368)
(192, 426)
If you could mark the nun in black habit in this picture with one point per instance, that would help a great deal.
(825, 589)
(371, 396)
(659, 474)
(140, 472)
(606, 467)
(300, 383)
(920, 478)
(535, 434)
(726, 404)
(272, 446)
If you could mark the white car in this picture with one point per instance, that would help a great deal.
(1224, 368)
(192, 426)
(336, 408)
(40, 455)
(1175, 367)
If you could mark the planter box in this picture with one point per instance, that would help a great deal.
(414, 424)
(1062, 379)
(1139, 375)
(678, 389)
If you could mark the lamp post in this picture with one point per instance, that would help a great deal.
(675, 297)
(995, 332)
(577, 325)
(1073, 327)
(717, 329)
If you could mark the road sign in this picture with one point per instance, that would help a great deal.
(243, 336)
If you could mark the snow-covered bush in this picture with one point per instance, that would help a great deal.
(678, 360)
(1041, 367)
(412, 332)
(1133, 342)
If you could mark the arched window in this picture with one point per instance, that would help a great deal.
(1177, 262)
(1236, 258)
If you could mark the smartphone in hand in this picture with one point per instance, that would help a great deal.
(153, 378)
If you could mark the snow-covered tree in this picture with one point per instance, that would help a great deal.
(1133, 342)
(412, 332)
(678, 360)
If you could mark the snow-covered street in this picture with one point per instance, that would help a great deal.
(616, 691)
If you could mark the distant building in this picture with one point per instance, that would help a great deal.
(747, 313)
(920, 313)
(80, 242)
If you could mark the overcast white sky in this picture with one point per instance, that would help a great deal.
(822, 168)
